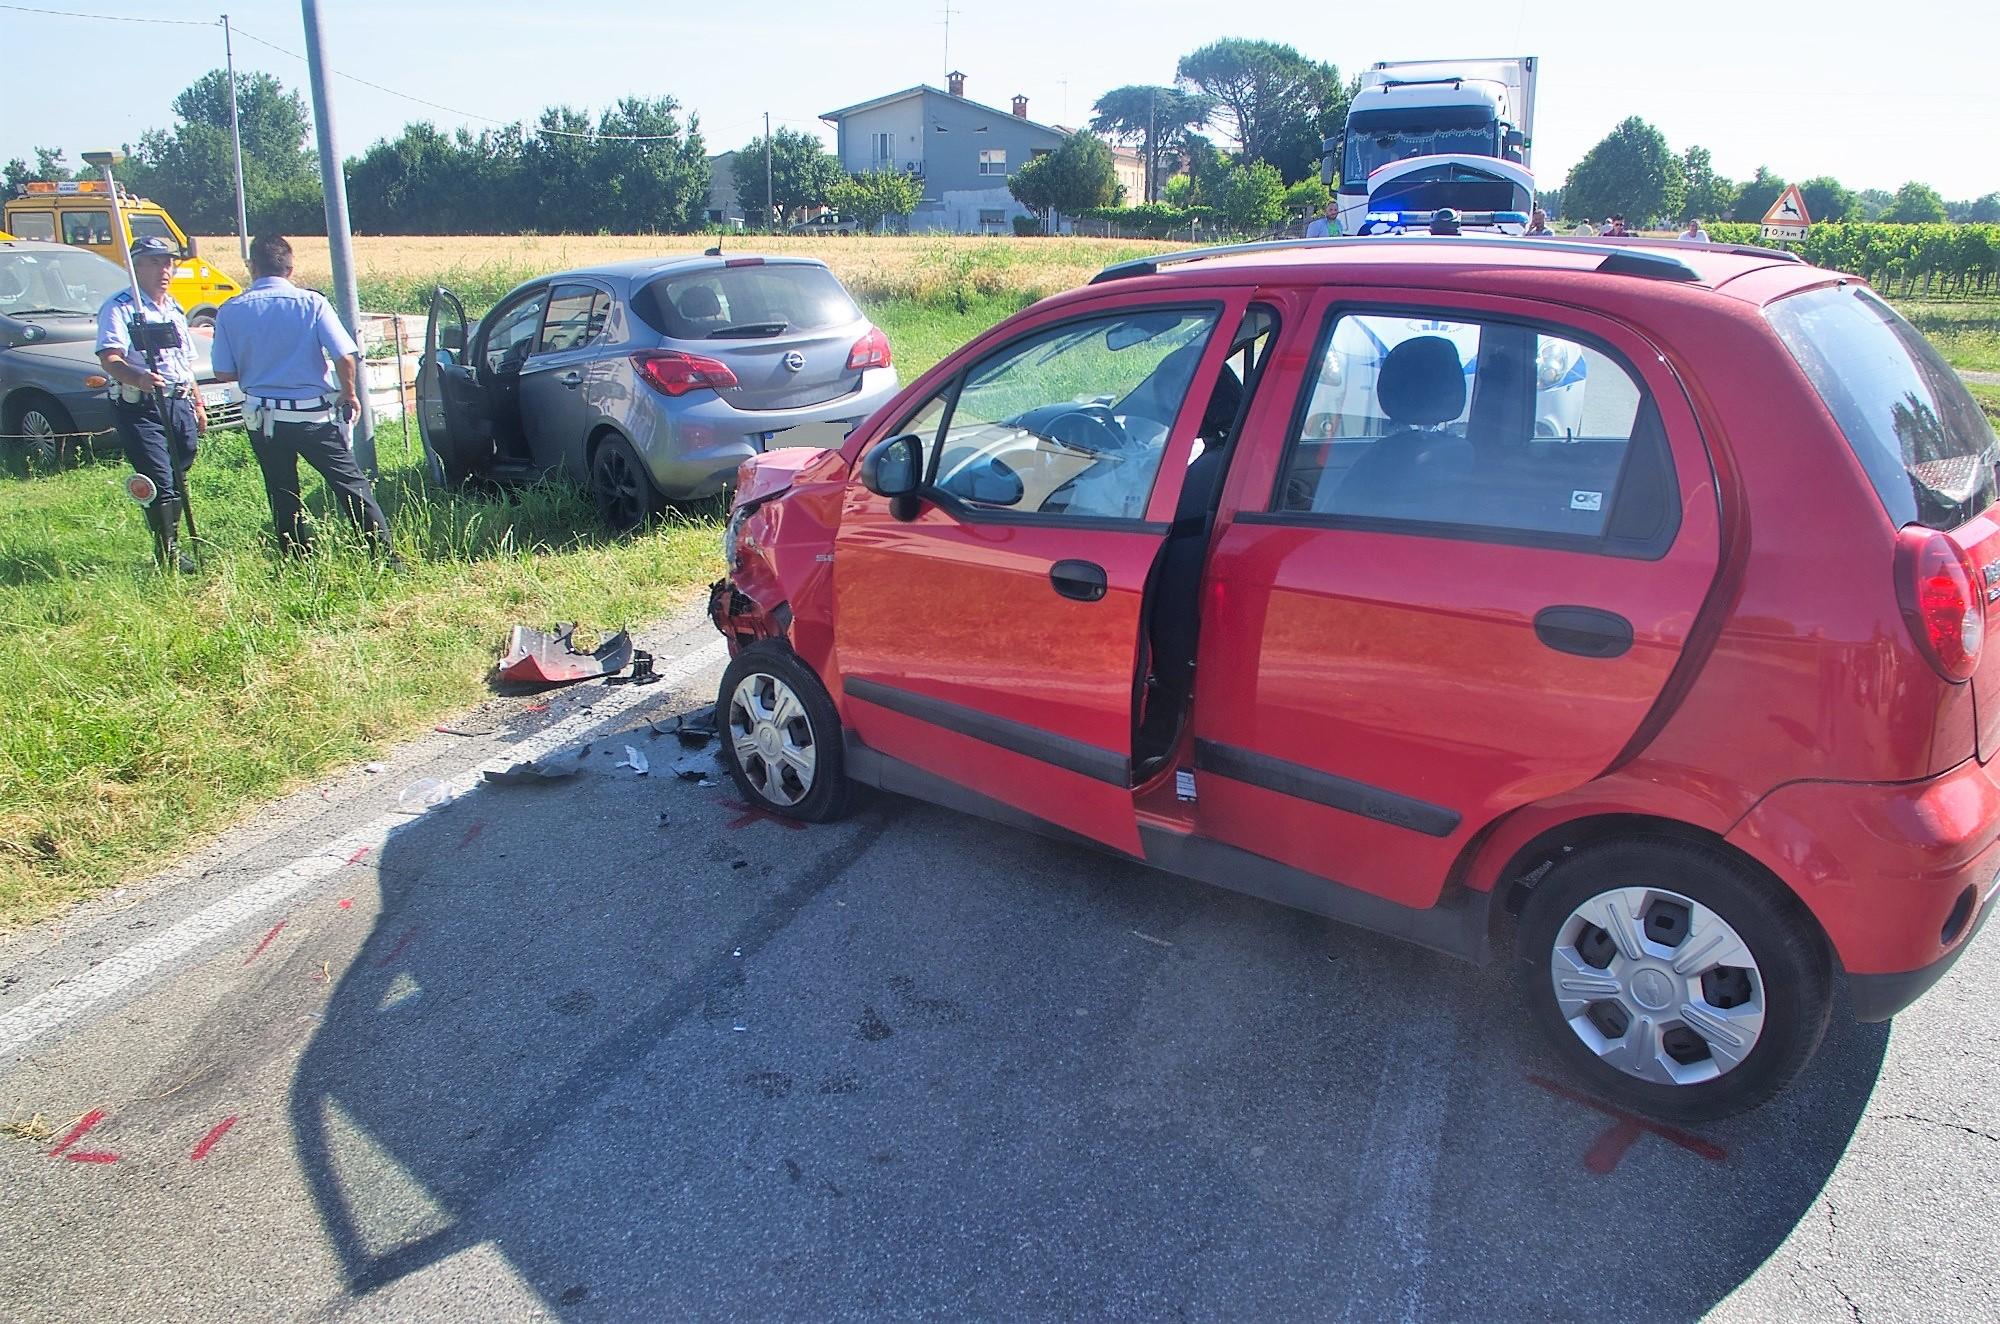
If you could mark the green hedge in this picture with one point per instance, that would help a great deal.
(1902, 259)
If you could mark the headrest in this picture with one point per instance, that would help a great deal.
(1422, 382)
(698, 303)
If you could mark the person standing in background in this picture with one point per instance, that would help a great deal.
(144, 347)
(277, 339)
(1327, 224)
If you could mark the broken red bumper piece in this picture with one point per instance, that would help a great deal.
(550, 657)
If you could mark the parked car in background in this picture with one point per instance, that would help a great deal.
(1099, 574)
(827, 222)
(651, 380)
(52, 388)
(79, 212)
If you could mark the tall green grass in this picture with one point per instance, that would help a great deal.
(143, 712)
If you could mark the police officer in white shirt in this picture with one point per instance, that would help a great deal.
(277, 340)
(145, 350)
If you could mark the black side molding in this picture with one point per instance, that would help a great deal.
(1092, 761)
(1457, 926)
(1303, 783)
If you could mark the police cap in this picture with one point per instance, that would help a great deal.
(152, 246)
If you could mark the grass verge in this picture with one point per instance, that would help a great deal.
(144, 712)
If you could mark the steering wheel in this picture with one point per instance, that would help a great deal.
(1090, 428)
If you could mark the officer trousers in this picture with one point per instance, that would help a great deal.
(149, 448)
(278, 448)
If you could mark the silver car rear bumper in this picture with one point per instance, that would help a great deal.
(693, 446)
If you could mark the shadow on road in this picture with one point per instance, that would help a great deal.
(670, 1058)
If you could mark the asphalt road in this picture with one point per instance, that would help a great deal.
(613, 1048)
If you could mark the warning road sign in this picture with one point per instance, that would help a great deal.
(1787, 218)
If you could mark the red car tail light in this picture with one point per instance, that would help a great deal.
(871, 351)
(671, 372)
(1941, 600)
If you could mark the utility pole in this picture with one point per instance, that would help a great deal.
(236, 144)
(339, 241)
(770, 203)
(1152, 114)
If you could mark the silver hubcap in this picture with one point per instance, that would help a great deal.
(1657, 985)
(772, 739)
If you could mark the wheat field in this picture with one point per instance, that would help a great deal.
(926, 268)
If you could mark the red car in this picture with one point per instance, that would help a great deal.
(1695, 692)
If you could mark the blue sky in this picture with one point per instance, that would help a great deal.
(1799, 88)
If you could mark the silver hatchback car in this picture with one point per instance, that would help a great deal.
(648, 381)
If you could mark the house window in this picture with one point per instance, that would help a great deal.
(993, 161)
(885, 148)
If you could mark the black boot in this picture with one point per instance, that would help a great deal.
(163, 517)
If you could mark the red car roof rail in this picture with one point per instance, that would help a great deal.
(1621, 259)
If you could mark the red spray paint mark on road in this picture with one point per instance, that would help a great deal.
(208, 1141)
(77, 1132)
(347, 903)
(1626, 1128)
(1602, 1157)
(751, 814)
(472, 833)
(397, 950)
(267, 941)
(92, 1156)
(358, 856)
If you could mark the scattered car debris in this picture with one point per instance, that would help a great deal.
(634, 760)
(527, 774)
(550, 657)
(371, 767)
(423, 793)
(694, 729)
(465, 731)
(642, 671)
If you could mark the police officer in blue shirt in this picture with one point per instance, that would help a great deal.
(145, 350)
(276, 339)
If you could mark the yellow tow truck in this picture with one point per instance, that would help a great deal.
(79, 212)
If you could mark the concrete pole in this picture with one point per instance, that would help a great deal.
(340, 242)
(236, 144)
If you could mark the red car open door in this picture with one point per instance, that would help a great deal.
(991, 640)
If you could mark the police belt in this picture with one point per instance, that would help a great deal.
(264, 411)
(133, 395)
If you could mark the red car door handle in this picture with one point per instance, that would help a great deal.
(1584, 631)
(1082, 580)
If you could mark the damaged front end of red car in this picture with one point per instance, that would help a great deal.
(779, 548)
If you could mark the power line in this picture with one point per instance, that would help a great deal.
(355, 78)
(115, 18)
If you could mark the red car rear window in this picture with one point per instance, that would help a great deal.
(1923, 441)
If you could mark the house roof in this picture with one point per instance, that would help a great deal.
(921, 88)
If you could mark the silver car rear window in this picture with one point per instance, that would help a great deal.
(749, 302)
(1917, 431)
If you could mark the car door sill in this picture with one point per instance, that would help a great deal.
(1457, 926)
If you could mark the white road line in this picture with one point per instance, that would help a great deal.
(39, 1015)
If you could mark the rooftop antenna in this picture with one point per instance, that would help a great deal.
(948, 12)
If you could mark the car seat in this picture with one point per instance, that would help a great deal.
(699, 306)
(1417, 471)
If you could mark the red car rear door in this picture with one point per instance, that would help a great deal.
(1459, 565)
(990, 643)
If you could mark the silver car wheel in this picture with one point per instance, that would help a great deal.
(772, 739)
(1658, 985)
(39, 434)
